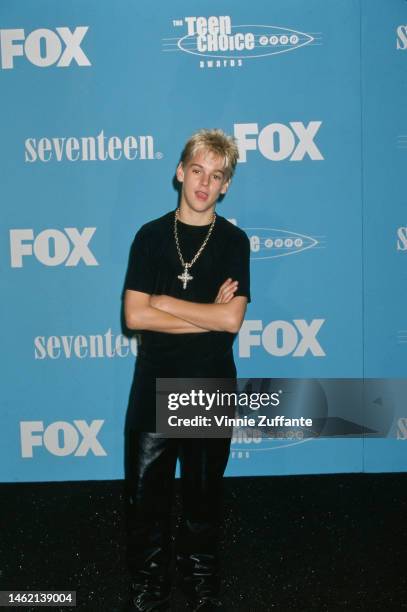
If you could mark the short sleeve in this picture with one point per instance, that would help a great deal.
(139, 276)
(239, 265)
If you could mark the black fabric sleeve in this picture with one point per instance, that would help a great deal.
(239, 265)
(140, 275)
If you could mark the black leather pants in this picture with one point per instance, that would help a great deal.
(151, 461)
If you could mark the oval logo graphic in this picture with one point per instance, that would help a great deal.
(298, 398)
(244, 42)
(243, 449)
(269, 242)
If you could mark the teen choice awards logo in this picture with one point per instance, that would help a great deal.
(269, 243)
(219, 43)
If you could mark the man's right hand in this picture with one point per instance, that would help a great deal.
(226, 291)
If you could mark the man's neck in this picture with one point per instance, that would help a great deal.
(191, 217)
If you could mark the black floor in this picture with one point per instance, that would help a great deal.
(334, 542)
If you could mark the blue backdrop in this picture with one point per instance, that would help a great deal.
(97, 100)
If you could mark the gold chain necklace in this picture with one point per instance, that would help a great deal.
(185, 276)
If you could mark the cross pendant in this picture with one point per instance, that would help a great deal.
(185, 277)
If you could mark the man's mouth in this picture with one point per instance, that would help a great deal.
(201, 195)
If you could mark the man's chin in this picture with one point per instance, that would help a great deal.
(201, 207)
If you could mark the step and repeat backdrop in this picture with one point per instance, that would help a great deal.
(97, 100)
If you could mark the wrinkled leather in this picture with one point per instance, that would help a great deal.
(152, 460)
(198, 575)
(209, 604)
(145, 602)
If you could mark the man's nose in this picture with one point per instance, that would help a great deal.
(204, 178)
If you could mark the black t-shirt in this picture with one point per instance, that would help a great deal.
(154, 267)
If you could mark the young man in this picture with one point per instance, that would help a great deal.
(187, 287)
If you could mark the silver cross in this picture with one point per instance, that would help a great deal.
(185, 277)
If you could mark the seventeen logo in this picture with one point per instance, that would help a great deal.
(90, 148)
(52, 247)
(281, 338)
(402, 37)
(43, 47)
(278, 142)
(62, 438)
(221, 44)
(94, 346)
(402, 239)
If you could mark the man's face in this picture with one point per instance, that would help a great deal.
(203, 180)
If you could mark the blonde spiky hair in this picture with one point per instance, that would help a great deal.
(214, 141)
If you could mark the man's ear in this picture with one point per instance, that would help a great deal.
(180, 173)
(225, 186)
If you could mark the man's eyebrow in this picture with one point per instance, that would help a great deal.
(200, 166)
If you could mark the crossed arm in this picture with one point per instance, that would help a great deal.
(163, 313)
